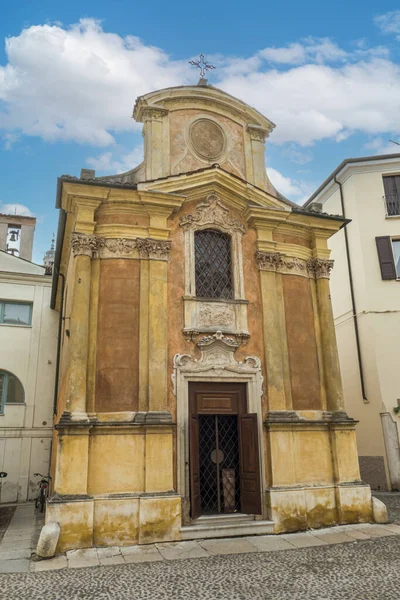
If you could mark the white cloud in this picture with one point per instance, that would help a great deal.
(389, 22)
(108, 163)
(317, 50)
(300, 157)
(295, 190)
(80, 83)
(382, 146)
(15, 209)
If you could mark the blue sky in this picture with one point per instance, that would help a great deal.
(328, 75)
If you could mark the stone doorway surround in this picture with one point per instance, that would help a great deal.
(216, 364)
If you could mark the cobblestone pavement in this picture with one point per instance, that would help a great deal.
(361, 570)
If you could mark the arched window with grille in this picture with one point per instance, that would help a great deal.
(213, 264)
(11, 390)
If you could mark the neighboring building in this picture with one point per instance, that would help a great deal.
(365, 287)
(28, 341)
(199, 391)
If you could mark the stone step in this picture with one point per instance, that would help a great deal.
(211, 520)
(231, 529)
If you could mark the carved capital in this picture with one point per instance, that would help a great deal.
(83, 245)
(269, 261)
(153, 249)
(320, 268)
(212, 212)
(258, 133)
(154, 114)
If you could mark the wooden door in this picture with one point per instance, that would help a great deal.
(225, 399)
(250, 488)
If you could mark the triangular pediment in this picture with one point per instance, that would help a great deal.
(232, 190)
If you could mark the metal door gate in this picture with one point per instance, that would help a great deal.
(219, 464)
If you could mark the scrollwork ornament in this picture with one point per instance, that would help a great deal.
(269, 261)
(212, 212)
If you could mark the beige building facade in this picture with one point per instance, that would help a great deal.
(28, 342)
(199, 390)
(365, 286)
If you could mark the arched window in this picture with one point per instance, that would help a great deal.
(11, 390)
(213, 264)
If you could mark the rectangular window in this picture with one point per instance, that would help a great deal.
(391, 185)
(396, 256)
(15, 313)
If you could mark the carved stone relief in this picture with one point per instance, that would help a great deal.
(207, 139)
(213, 315)
(212, 212)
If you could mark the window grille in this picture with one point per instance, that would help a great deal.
(213, 264)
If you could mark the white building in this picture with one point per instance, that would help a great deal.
(28, 348)
(365, 287)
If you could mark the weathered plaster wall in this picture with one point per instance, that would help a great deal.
(118, 336)
(303, 359)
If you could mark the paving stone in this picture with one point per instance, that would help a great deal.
(108, 552)
(139, 554)
(393, 527)
(82, 564)
(228, 546)
(84, 557)
(112, 560)
(357, 534)
(334, 538)
(269, 543)
(377, 531)
(59, 562)
(82, 554)
(180, 550)
(19, 565)
(23, 544)
(303, 540)
(8, 554)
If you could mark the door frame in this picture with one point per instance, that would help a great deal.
(188, 370)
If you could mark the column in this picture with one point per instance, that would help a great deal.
(157, 253)
(277, 374)
(333, 382)
(82, 247)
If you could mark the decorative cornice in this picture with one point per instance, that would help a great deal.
(94, 246)
(315, 268)
(83, 245)
(212, 212)
(153, 249)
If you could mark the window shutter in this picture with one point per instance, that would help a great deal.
(385, 256)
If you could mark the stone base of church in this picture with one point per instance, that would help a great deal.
(120, 520)
(300, 508)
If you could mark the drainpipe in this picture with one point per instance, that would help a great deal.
(60, 320)
(353, 301)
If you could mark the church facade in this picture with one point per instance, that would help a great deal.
(199, 391)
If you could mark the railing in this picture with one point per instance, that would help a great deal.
(392, 204)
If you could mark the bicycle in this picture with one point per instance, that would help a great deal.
(40, 501)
